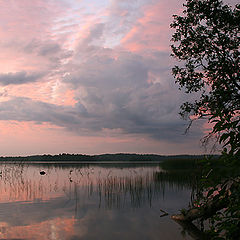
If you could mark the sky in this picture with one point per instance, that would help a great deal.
(90, 77)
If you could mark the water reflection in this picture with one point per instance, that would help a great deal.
(69, 201)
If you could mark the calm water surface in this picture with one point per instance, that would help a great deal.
(90, 201)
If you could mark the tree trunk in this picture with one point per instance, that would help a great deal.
(204, 212)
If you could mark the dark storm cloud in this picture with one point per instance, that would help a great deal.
(25, 109)
(44, 48)
(131, 116)
(19, 78)
(127, 91)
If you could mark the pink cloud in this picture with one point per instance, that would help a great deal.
(28, 138)
(101, 84)
(64, 228)
(152, 31)
(22, 23)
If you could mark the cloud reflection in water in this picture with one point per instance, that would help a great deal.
(88, 201)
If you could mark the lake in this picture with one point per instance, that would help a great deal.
(91, 201)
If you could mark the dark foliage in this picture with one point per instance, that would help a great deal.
(207, 40)
(120, 157)
(207, 45)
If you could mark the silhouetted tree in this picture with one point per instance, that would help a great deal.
(207, 41)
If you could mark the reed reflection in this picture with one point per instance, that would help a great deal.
(68, 199)
(111, 187)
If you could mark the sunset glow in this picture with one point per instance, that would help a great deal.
(90, 77)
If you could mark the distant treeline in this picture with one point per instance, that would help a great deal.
(104, 157)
